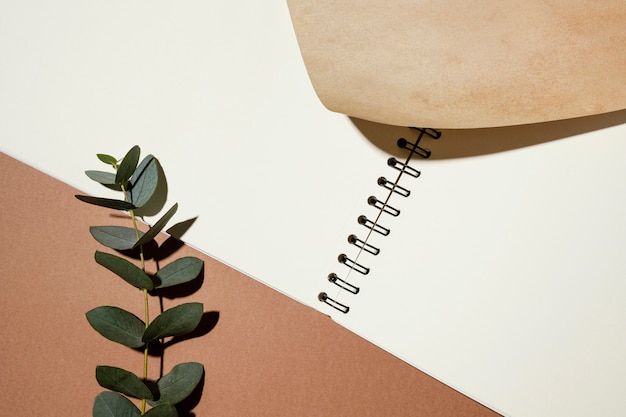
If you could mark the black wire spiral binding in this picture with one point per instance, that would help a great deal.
(353, 265)
(402, 167)
(393, 187)
(373, 225)
(383, 207)
(361, 244)
(373, 201)
(343, 284)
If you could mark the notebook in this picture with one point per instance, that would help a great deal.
(502, 274)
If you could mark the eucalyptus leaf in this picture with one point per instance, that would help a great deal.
(163, 410)
(128, 165)
(117, 325)
(176, 321)
(106, 202)
(112, 404)
(115, 237)
(179, 383)
(158, 226)
(125, 269)
(107, 159)
(121, 380)
(179, 271)
(144, 181)
(101, 177)
(105, 178)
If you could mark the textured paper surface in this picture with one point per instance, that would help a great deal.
(458, 64)
(264, 354)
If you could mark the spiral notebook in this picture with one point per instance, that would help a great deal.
(495, 265)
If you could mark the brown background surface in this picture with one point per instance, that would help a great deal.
(264, 354)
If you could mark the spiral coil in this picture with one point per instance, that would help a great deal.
(372, 225)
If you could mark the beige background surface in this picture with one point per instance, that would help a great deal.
(464, 64)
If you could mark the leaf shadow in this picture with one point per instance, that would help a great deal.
(168, 248)
(179, 229)
(149, 251)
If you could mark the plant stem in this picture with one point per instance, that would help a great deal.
(145, 300)
(145, 350)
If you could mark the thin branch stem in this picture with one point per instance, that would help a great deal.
(145, 350)
(145, 299)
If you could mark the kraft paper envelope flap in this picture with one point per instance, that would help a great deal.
(502, 275)
(463, 64)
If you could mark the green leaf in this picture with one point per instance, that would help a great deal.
(115, 237)
(158, 226)
(163, 410)
(179, 383)
(117, 325)
(120, 380)
(107, 159)
(112, 404)
(128, 165)
(101, 177)
(125, 269)
(105, 178)
(144, 181)
(106, 202)
(176, 321)
(179, 271)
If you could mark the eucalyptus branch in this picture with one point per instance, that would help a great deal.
(138, 182)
